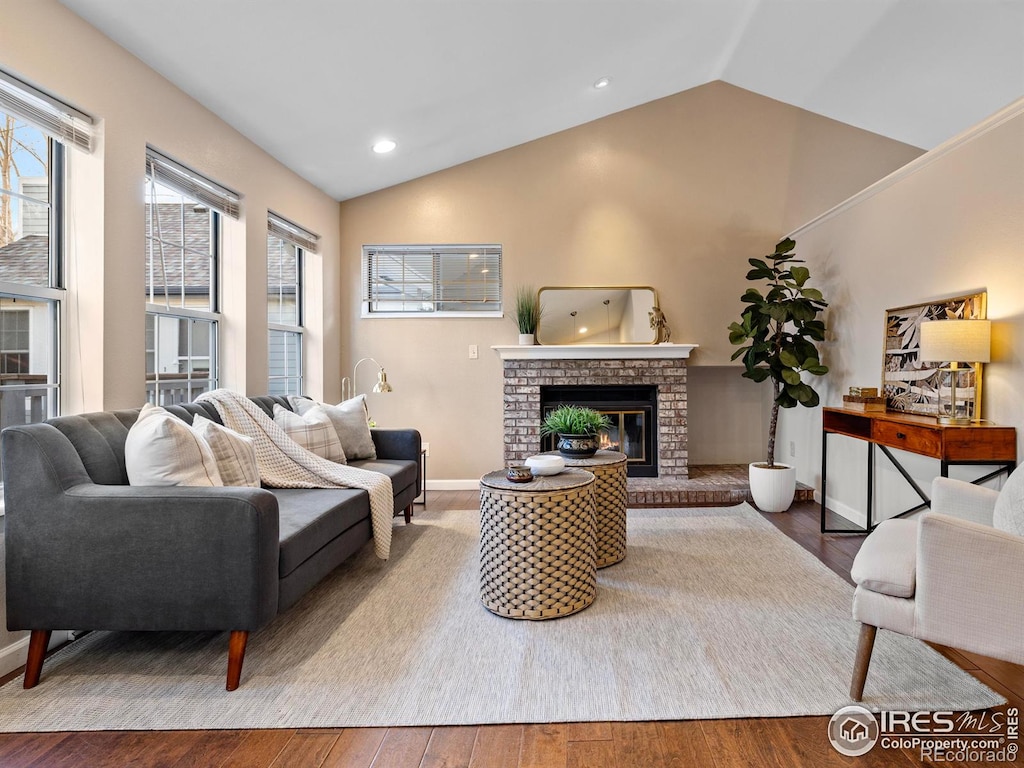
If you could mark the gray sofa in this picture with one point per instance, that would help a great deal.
(87, 551)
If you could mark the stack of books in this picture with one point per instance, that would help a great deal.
(864, 399)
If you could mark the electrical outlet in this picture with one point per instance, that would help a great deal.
(426, 448)
(792, 449)
(474, 352)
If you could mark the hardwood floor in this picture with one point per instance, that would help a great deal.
(747, 743)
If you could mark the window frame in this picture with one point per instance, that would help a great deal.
(180, 313)
(437, 251)
(293, 235)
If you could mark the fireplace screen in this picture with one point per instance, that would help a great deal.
(632, 411)
(626, 435)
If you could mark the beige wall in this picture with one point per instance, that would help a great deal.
(953, 224)
(676, 194)
(52, 48)
(104, 364)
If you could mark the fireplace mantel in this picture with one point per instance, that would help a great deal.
(594, 351)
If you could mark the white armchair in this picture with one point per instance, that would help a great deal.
(954, 575)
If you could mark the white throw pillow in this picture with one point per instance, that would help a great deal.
(161, 449)
(1008, 514)
(312, 430)
(235, 453)
(351, 422)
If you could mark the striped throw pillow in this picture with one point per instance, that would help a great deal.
(312, 430)
(235, 453)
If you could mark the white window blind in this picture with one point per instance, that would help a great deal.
(438, 279)
(184, 180)
(51, 115)
(292, 233)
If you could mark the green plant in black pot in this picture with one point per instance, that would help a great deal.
(577, 429)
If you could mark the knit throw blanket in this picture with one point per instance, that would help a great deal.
(284, 463)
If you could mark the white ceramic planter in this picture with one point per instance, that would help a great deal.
(526, 339)
(772, 489)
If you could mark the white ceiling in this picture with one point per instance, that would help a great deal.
(316, 82)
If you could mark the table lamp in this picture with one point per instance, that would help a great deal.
(956, 342)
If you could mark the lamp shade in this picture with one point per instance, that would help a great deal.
(961, 341)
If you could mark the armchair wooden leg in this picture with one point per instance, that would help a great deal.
(236, 653)
(860, 668)
(36, 653)
(408, 514)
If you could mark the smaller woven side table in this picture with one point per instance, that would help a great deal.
(537, 553)
(609, 469)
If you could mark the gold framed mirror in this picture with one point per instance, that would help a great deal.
(599, 315)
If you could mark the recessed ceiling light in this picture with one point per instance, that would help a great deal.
(384, 146)
(583, 329)
(604, 82)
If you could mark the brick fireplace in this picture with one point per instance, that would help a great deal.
(528, 369)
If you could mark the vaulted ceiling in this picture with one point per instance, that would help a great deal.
(316, 82)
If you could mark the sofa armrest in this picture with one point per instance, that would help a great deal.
(143, 558)
(957, 498)
(397, 443)
(968, 587)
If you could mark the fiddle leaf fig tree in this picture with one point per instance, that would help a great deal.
(778, 330)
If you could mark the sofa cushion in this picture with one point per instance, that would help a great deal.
(887, 560)
(310, 518)
(235, 453)
(351, 422)
(313, 430)
(161, 449)
(401, 471)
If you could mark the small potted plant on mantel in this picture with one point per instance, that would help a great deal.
(778, 330)
(527, 313)
(577, 429)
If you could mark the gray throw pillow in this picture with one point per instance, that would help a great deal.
(351, 422)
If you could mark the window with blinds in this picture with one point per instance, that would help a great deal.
(441, 280)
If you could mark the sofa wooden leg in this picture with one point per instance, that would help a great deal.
(408, 514)
(37, 644)
(236, 653)
(860, 668)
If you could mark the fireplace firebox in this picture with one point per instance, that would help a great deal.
(633, 412)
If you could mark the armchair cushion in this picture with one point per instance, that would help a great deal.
(1008, 514)
(887, 561)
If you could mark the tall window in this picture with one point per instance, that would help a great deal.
(287, 244)
(441, 280)
(34, 130)
(183, 218)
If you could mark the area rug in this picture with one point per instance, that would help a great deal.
(713, 614)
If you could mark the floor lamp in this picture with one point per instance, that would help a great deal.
(955, 342)
(348, 383)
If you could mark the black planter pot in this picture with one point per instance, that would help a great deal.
(577, 446)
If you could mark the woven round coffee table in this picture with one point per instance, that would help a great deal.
(537, 553)
(609, 468)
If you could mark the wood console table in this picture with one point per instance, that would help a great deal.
(951, 444)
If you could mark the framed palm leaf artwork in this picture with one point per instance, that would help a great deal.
(910, 385)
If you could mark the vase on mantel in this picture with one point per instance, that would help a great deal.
(526, 339)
